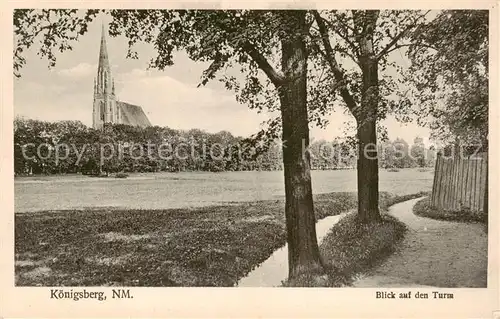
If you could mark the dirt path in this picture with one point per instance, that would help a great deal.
(433, 253)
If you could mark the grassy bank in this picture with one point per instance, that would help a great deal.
(209, 246)
(350, 248)
(424, 208)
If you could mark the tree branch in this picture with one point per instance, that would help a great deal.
(337, 72)
(263, 64)
(346, 25)
(397, 47)
(355, 59)
(399, 36)
(344, 37)
(393, 42)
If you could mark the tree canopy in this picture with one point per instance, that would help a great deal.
(449, 75)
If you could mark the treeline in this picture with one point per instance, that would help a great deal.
(391, 154)
(71, 147)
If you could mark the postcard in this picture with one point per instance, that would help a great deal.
(250, 159)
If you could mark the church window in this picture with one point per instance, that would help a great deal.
(105, 81)
(102, 110)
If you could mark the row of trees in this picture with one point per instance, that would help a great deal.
(391, 154)
(71, 147)
(302, 63)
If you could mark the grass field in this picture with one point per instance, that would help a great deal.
(187, 229)
(196, 189)
(208, 246)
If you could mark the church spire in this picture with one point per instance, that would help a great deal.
(103, 54)
(105, 108)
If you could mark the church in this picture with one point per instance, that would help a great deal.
(107, 109)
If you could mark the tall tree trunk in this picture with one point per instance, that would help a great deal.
(368, 193)
(303, 251)
(485, 203)
(366, 113)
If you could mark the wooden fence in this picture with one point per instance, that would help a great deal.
(460, 183)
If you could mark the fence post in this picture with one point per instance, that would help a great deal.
(485, 204)
(437, 175)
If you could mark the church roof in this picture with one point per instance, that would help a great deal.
(133, 114)
(103, 52)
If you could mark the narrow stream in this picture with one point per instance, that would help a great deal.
(274, 270)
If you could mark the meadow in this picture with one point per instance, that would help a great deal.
(187, 229)
(190, 189)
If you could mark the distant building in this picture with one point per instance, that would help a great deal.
(107, 109)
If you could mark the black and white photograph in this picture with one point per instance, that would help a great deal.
(265, 148)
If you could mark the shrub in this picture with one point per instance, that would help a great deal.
(423, 208)
(121, 175)
(103, 174)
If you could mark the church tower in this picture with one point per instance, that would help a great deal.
(105, 106)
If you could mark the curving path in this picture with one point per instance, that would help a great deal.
(433, 253)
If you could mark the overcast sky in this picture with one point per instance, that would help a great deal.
(169, 98)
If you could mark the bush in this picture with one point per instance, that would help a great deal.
(393, 169)
(103, 174)
(121, 175)
(423, 208)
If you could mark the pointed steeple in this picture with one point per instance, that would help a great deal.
(105, 109)
(103, 53)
